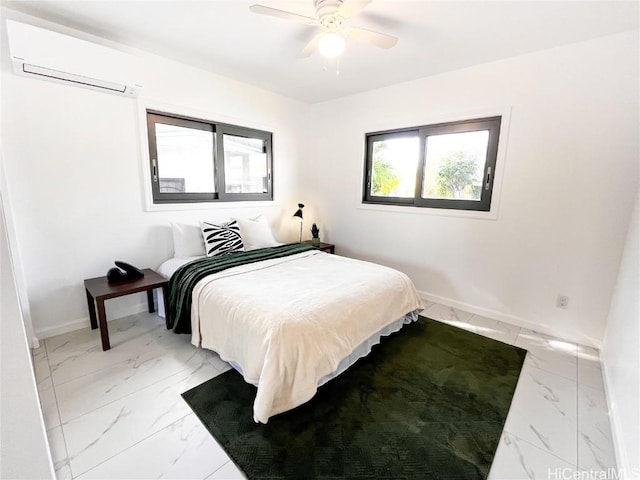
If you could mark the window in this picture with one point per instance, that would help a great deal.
(448, 165)
(198, 161)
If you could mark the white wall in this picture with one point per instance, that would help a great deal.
(569, 182)
(73, 165)
(621, 356)
(25, 451)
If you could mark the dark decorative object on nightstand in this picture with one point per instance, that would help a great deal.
(315, 234)
(123, 272)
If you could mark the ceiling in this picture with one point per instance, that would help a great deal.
(223, 37)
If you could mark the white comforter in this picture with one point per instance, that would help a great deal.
(289, 322)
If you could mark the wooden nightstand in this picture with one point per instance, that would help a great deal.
(325, 247)
(99, 289)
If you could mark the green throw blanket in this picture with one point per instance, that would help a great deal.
(186, 277)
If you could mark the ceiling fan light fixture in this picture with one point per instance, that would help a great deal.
(331, 45)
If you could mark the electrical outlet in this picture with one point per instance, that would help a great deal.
(562, 302)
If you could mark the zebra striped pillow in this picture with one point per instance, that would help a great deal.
(221, 239)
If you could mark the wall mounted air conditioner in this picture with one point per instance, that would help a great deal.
(39, 53)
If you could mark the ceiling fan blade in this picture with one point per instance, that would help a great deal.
(349, 8)
(274, 12)
(378, 39)
(310, 47)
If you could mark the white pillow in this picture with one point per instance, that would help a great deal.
(187, 240)
(256, 233)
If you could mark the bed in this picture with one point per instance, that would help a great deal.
(288, 318)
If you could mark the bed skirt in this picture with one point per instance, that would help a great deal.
(361, 350)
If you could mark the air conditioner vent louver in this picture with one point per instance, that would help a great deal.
(40, 53)
(70, 77)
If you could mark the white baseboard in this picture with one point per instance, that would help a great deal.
(84, 322)
(63, 328)
(508, 318)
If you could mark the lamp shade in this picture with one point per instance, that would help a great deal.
(299, 211)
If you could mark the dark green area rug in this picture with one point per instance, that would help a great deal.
(429, 402)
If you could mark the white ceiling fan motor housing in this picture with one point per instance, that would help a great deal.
(327, 12)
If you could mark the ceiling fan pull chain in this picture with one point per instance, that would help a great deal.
(338, 67)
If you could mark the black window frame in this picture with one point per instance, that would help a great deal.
(492, 124)
(218, 129)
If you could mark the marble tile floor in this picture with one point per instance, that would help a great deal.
(119, 414)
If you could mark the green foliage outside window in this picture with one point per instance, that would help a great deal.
(457, 176)
(385, 180)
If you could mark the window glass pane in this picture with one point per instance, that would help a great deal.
(245, 165)
(393, 167)
(185, 159)
(454, 165)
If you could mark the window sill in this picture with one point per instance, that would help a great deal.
(439, 212)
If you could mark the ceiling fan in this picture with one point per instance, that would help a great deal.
(333, 17)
